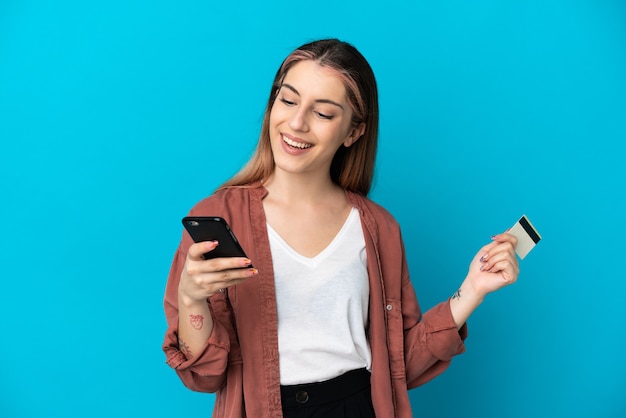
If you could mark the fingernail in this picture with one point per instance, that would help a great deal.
(245, 262)
(253, 272)
(484, 257)
(211, 244)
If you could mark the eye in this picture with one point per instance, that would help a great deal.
(287, 102)
(324, 116)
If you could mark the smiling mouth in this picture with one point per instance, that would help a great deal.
(295, 144)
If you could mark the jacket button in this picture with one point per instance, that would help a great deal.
(389, 307)
(302, 396)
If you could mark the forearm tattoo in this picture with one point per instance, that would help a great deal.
(457, 294)
(184, 348)
(197, 321)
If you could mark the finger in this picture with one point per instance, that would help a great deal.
(220, 287)
(197, 250)
(212, 283)
(499, 252)
(209, 282)
(498, 247)
(497, 258)
(204, 272)
(483, 253)
(505, 237)
(227, 276)
(226, 263)
(205, 290)
(240, 277)
(507, 270)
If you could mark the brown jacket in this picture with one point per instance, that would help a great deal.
(240, 359)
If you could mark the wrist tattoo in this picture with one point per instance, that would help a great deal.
(197, 321)
(184, 348)
(457, 294)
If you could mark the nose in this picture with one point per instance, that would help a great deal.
(298, 120)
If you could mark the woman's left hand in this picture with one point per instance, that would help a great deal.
(495, 265)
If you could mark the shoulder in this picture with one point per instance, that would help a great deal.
(371, 208)
(225, 200)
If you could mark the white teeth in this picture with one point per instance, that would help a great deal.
(295, 144)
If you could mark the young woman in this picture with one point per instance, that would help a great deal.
(326, 323)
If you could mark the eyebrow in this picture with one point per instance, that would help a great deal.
(332, 102)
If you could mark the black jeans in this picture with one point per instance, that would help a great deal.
(346, 396)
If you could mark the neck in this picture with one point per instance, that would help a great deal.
(302, 188)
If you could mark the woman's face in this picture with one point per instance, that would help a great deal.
(310, 119)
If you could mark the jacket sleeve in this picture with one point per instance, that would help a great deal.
(207, 371)
(431, 340)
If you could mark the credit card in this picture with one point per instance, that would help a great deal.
(527, 236)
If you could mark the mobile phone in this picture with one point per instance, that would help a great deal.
(214, 228)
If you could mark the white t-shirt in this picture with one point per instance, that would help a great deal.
(322, 306)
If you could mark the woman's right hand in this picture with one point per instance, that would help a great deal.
(202, 278)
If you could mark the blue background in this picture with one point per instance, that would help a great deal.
(117, 116)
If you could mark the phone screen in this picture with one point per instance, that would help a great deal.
(214, 228)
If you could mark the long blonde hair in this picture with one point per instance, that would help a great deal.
(352, 167)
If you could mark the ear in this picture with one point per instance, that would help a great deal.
(355, 134)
